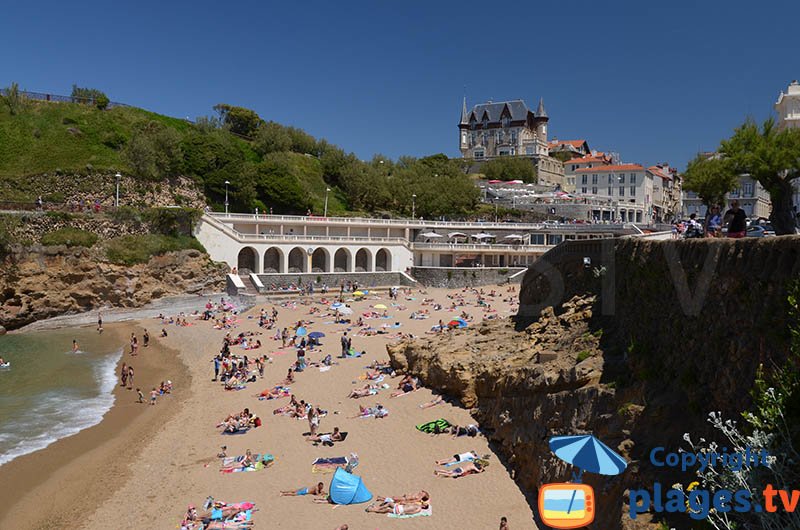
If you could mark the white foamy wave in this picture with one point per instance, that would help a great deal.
(57, 415)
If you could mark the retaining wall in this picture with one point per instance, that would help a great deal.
(459, 277)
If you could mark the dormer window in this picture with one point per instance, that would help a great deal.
(506, 121)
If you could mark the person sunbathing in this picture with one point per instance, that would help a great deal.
(468, 468)
(438, 400)
(399, 509)
(471, 430)
(247, 461)
(275, 392)
(365, 412)
(408, 384)
(420, 496)
(462, 457)
(335, 436)
(368, 390)
(319, 489)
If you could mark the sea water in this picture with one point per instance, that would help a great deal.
(49, 392)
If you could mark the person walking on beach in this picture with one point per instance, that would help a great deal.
(153, 396)
(217, 361)
(123, 374)
(146, 338)
(99, 323)
(130, 377)
(141, 396)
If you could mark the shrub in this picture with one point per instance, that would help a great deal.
(102, 101)
(172, 221)
(113, 139)
(130, 250)
(126, 214)
(582, 356)
(59, 216)
(55, 197)
(71, 237)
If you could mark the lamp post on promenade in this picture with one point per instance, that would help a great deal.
(116, 196)
(327, 191)
(413, 206)
(227, 183)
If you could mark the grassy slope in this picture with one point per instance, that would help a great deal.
(42, 137)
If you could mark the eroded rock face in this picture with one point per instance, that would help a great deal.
(53, 281)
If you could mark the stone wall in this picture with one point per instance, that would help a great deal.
(459, 277)
(33, 225)
(364, 279)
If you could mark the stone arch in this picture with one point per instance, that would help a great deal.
(362, 260)
(342, 261)
(297, 260)
(247, 260)
(383, 260)
(273, 260)
(320, 260)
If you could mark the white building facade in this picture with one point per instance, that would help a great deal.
(629, 185)
(788, 109)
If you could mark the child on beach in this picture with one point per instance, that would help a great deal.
(153, 396)
(141, 396)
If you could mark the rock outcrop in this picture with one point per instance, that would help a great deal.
(623, 345)
(44, 282)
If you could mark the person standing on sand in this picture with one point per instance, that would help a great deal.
(123, 374)
(141, 396)
(153, 396)
(504, 523)
(99, 322)
(130, 377)
(146, 338)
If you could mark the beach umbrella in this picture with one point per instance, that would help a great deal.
(430, 235)
(345, 310)
(495, 181)
(301, 331)
(380, 306)
(316, 334)
(458, 323)
(358, 293)
(336, 305)
(588, 453)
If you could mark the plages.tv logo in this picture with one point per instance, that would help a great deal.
(572, 504)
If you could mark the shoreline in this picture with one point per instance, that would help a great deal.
(85, 469)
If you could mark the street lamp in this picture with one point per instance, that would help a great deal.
(413, 205)
(226, 196)
(116, 197)
(327, 191)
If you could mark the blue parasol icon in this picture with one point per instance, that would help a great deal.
(301, 331)
(588, 453)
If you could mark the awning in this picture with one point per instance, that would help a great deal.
(515, 236)
(451, 235)
(483, 235)
(431, 234)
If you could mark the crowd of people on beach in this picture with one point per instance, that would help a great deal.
(234, 368)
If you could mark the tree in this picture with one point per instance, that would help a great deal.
(12, 99)
(239, 120)
(90, 95)
(771, 157)
(510, 168)
(154, 151)
(710, 178)
(272, 138)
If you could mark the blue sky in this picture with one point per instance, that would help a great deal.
(652, 81)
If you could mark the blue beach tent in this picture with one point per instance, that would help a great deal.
(348, 489)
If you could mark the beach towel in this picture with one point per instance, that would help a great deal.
(261, 461)
(239, 431)
(328, 465)
(434, 427)
(423, 513)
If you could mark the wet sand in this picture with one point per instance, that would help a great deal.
(59, 486)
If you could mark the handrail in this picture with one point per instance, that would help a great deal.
(457, 246)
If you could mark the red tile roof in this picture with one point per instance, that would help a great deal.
(622, 167)
(588, 159)
(574, 143)
(655, 170)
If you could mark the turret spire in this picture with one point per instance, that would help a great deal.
(464, 111)
(540, 112)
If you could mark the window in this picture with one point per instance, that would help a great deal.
(735, 193)
(747, 189)
(633, 178)
(529, 150)
(506, 121)
(594, 179)
(622, 178)
(633, 190)
(537, 239)
(464, 138)
(610, 191)
(574, 167)
(594, 190)
(479, 153)
(514, 137)
(584, 179)
(583, 190)
(610, 178)
(621, 191)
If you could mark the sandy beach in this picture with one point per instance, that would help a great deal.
(164, 458)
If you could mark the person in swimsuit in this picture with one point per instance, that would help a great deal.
(469, 468)
(130, 377)
(399, 508)
(317, 490)
(99, 323)
(463, 457)
(123, 374)
(74, 346)
(335, 436)
(504, 523)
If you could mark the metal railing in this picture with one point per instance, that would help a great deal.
(41, 96)
(464, 247)
(412, 223)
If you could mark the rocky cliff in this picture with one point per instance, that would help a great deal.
(635, 344)
(43, 282)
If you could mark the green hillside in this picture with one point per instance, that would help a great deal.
(268, 165)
